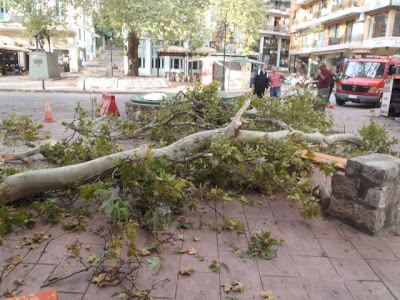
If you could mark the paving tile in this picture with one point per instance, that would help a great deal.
(285, 288)
(242, 270)
(348, 231)
(11, 248)
(204, 212)
(320, 278)
(69, 296)
(258, 216)
(391, 236)
(282, 265)
(324, 228)
(353, 268)
(168, 274)
(207, 247)
(284, 210)
(18, 233)
(372, 248)
(389, 272)
(339, 248)
(258, 199)
(198, 286)
(230, 241)
(395, 247)
(299, 238)
(233, 209)
(52, 255)
(77, 283)
(369, 290)
(36, 278)
(20, 271)
(103, 293)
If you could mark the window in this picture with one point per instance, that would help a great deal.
(334, 31)
(367, 69)
(396, 28)
(323, 4)
(377, 26)
(349, 31)
(176, 63)
(194, 65)
(142, 53)
(79, 34)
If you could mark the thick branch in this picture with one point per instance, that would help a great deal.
(21, 185)
(315, 138)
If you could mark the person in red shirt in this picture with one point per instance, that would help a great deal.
(275, 82)
(324, 76)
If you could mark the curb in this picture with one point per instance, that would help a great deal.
(86, 91)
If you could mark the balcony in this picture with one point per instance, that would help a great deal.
(347, 8)
(304, 2)
(276, 30)
(371, 5)
(280, 10)
(334, 41)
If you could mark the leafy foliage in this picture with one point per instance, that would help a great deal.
(260, 246)
(21, 128)
(49, 210)
(376, 139)
(11, 218)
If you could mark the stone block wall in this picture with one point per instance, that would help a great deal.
(368, 193)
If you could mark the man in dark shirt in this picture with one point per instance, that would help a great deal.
(261, 82)
(324, 76)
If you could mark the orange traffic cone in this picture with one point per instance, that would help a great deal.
(48, 114)
(330, 105)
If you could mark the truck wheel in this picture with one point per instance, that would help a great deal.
(340, 102)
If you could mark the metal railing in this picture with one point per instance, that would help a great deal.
(277, 28)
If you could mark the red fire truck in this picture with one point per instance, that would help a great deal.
(363, 79)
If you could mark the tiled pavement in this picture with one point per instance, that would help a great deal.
(320, 259)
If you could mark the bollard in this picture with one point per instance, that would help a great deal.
(84, 87)
(43, 84)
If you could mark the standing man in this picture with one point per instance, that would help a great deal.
(260, 82)
(324, 76)
(275, 82)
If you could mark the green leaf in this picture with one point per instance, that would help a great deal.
(237, 286)
(154, 264)
(186, 225)
(93, 259)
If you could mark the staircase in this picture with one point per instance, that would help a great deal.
(98, 66)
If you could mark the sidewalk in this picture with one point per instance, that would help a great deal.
(78, 83)
(320, 259)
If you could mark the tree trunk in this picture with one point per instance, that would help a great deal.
(133, 53)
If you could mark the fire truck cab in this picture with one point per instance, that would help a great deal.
(363, 79)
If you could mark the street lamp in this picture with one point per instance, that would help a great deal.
(221, 37)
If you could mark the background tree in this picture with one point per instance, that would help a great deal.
(168, 19)
(40, 18)
(246, 16)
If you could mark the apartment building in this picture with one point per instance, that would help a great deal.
(332, 30)
(74, 44)
(275, 36)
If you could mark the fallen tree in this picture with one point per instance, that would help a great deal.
(21, 185)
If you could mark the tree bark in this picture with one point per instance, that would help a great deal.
(133, 53)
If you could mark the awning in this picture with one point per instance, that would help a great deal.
(13, 48)
(9, 44)
(228, 59)
(172, 51)
(60, 44)
(204, 51)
